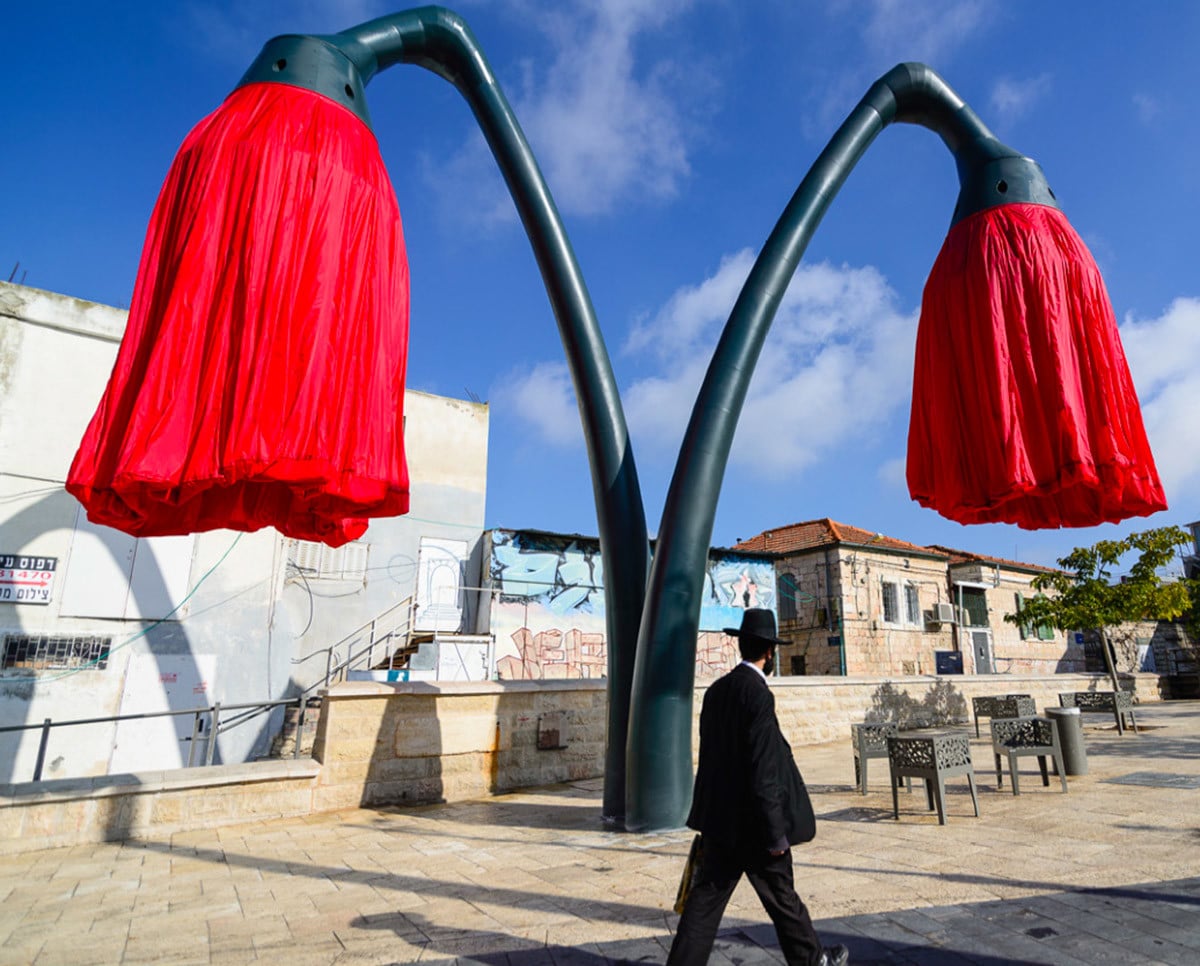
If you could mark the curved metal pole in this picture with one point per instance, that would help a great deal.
(446, 46)
(440, 41)
(659, 757)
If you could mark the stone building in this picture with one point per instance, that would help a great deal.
(856, 602)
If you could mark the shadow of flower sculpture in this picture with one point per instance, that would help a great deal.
(274, 280)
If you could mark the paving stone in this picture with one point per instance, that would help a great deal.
(1106, 874)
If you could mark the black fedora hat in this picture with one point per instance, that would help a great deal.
(758, 623)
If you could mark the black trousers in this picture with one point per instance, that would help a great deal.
(771, 876)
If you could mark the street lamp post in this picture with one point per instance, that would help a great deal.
(336, 68)
(992, 177)
(440, 41)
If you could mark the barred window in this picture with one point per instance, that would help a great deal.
(41, 652)
(912, 604)
(787, 597)
(319, 562)
(901, 604)
(891, 603)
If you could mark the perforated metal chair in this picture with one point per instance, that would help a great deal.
(1002, 706)
(1026, 737)
(870, 741)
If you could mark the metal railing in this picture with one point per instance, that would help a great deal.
(215, 727)
(383, 633)
(394, 624)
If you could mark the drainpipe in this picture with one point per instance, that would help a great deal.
(839, 625)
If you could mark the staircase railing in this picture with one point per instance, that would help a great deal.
(384, 634)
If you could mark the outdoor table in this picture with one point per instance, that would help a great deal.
(933, 756)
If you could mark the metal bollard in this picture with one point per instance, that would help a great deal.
(214, 728)
(41, 755)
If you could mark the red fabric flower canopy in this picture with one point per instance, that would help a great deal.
(260, 381)
(1023, 407)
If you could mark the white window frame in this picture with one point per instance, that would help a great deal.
(912, 605)
(345, 564)
(893, 586)
(905, 597)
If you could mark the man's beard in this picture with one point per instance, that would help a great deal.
(769, 664)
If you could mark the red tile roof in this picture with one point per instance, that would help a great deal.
(812, 534)
(965, 556)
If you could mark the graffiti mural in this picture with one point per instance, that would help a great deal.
(561, 574)
(547, 612)
(733, 583)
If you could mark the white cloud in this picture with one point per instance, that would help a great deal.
(894, 472)
(891, 32)
(1164, 358)
(924, 31)
(544, 398)
(692, 311)
(601, 120)
(837, 362)
(1012, 99)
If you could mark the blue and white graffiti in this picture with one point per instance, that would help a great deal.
(732, 584)
(567, 574)
(560, 575)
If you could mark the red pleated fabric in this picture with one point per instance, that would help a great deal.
(260, 381)
(1023, 408)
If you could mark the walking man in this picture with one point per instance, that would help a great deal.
(749, 806)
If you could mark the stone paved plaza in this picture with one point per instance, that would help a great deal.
(1108, 873)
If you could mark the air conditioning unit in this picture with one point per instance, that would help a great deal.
(941, 614)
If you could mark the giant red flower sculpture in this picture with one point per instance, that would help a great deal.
(1023, 407)
(260, 381)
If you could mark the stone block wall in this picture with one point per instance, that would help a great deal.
(817, 710)
(409, 743)
(151, 805)
(394, 744)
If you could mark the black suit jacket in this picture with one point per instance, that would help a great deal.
(748, 792)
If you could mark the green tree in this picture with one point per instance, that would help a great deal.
(1083, 596)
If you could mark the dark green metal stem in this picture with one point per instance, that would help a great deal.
(659, 759)
(440, 41)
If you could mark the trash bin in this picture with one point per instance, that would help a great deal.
(1069, 722)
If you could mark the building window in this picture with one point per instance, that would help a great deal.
(974, 602)
(787, 597)
(44, 652)
(901, 604)
(316, 561)
(891, 603)
(1042, 632)
(912, 604)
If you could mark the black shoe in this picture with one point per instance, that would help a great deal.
(837, 955)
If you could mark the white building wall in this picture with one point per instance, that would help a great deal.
(250, 618)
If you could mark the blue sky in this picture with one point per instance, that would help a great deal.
(672, 133)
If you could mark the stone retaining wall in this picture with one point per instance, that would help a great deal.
(396, 744)
(151, 805)
(392, 744)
